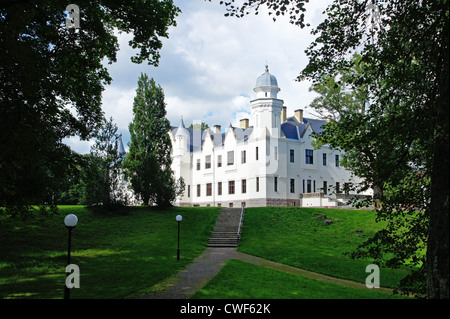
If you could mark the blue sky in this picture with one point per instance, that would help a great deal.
(209, 66)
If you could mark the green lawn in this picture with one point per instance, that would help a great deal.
(119, 255)
(240, 280)
(125, 254)
(295, 237)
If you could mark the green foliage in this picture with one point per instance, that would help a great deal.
(202, 126)
(51, 81)
(391, 144)
(101, 177)
(148, 162)
(393, 123)
(294, 8)
(341, 93)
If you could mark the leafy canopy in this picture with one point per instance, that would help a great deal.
(52, 78)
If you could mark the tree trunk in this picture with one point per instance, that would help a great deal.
(438, 240)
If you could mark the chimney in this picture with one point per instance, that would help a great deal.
(299, 115)
(244, 123)
(217, 129)
(283, 114)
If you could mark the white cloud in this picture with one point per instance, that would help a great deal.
(210, 63)
(118, 104)
(78, 145)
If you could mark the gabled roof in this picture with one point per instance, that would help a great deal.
(293, 129)
(193, 146)
(241, 134)
(217, 138)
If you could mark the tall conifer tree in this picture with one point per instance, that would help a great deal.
(148, 162)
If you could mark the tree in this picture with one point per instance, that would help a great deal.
(148, 162)
(377, 150)
(51, 80)
(102, 175)
(202, 126)
(404, 45)
(72, 190)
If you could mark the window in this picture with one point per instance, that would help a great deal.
(244, 186)
(257, 153)
(189, 190)
(337, 188)
(292, 185)
(257, 184)
(303, 186)
(336, 160)
(291, 155)
(275, 184)
(314, 183)
(324, 159)
(325, 187)
(219, 160)
(208, 161)
(275, 152)
(198, 190)
(198, 165)
(231, 187)
(243, 157)
(308, 186)
(230, 158)
(208, 189)
(219, 188)
(309, 156)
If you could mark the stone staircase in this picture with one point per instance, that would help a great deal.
(225, 233)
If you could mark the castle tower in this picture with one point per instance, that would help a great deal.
(181, 140)
(266, 108)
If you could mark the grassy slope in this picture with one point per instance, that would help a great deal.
(240, 280)
(119, 255)
(125, 254)
(295, 237)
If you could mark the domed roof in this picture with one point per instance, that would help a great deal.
(266, 79)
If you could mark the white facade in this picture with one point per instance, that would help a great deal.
(271, 163)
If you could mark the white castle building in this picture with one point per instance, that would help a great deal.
(271, 163)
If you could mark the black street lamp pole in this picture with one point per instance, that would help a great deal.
(70, 221)
(178, 250)
(67, 290)
(179, 218)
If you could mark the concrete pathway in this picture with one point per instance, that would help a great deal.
(209, 264)
(196, 275)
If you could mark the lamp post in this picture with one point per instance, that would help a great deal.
(179, 218)
(70, 221)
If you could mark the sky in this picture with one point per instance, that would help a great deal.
(209, 66)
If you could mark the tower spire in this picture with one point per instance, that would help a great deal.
(182, 123)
